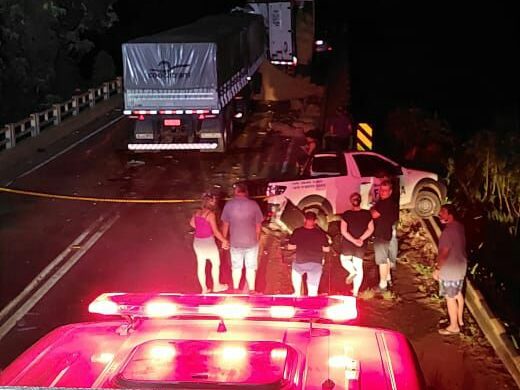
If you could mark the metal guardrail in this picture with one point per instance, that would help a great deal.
(13, 133)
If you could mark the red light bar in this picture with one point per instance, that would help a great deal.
(172, 122)
(333, 308)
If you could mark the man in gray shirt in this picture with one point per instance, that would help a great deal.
(243, 219)
(451, 268)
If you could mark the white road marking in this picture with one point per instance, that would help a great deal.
(35, 298)
(53, 264)
(65, 150)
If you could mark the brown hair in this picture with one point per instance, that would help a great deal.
(206, 200)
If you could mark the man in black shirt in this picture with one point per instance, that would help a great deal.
(385, 214)
(310, 243)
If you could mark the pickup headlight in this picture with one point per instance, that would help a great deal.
(273, 190)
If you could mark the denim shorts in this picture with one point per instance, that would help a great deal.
(450, 288)
(247, 256)
(382, 251)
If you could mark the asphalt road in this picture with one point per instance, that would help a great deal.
(98, 246)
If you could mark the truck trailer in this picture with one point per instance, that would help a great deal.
(186, 87)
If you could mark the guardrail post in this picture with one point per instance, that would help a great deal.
(56, 110)
(10, 136)
(119, 82)
(91, 97)
(35, 124)
(75, 105)
(106, 90)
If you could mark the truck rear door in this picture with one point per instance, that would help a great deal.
(281, 43)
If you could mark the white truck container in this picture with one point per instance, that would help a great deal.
(185, 87)
(330, 179)
(279, 24)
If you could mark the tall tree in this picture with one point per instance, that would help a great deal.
(41, 46)
(486, 174)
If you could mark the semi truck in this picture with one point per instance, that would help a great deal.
(185, 88)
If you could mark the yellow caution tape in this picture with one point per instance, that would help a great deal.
(106, 200)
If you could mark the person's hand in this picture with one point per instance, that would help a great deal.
(435, 274)
(225, 245)
(358, 242)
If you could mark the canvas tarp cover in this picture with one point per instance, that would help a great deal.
(204, 54)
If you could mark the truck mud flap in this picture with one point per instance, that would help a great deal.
(292, 216)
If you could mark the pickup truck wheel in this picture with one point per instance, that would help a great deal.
(427, 203)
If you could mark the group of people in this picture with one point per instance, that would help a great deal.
(240, 234)
(242, 219)
(357, 226)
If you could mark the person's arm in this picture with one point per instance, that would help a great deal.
(347, 235)
(375, 213)
(258, 231)
(192, 221)
(312, 148)
(368, 232)
(259, 218)
(291, 247)
(216, 232)
(441, 258)
(225, 228)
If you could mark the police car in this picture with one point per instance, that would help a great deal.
(219, 341)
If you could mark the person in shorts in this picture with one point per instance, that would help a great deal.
(242, 219)
(451, 268)
(356, 227)
(385, 214)
(310, 243)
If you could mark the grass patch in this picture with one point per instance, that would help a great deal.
(367, 294)
(423, 270)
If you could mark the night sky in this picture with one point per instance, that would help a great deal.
(456, 62)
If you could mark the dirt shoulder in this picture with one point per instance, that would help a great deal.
(465, 361)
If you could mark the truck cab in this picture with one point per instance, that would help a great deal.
(329, 179)
(218, 341)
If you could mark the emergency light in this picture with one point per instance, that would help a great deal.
(226, 306)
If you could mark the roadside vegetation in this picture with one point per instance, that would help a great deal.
(483, 177)
(47, 52)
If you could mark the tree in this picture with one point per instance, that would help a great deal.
(486, 175)
(41, 45)
(419, 136)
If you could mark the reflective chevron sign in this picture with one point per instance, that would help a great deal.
(364, 137)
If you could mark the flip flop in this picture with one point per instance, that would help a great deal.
(447, 332)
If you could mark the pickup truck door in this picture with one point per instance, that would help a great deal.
(372, 166)
(339, 182)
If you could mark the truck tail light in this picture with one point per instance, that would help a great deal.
(172, 122)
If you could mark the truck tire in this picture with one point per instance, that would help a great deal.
(427, 203)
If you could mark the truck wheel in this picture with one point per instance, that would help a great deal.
(427, 203)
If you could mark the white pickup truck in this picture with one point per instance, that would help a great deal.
(330, 178)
